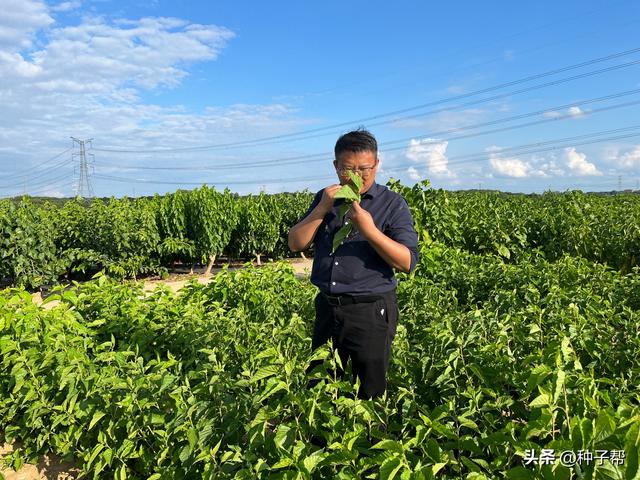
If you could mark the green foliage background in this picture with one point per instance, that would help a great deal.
(519, 330)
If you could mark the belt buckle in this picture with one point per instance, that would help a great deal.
(334, 301)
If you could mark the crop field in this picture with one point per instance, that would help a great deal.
(517, 352)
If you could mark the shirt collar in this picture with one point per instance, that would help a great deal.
(374, 190)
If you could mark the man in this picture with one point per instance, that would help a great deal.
(356, 306)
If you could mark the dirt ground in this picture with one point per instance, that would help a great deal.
(51, 467)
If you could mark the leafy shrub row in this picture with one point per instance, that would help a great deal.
(490, 360)
(131, 237)
(128, 237)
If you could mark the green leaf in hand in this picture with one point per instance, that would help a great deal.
(347, 192)
(351, 190)
(350, 193)
(343, 209)
(341, 235)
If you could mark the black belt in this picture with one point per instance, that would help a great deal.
(336, 301)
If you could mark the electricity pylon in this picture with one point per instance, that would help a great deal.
(84, 188)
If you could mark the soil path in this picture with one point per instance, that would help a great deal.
(178, 279)
(51, 467)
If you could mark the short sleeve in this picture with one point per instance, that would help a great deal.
(401, 229)
(314, 204)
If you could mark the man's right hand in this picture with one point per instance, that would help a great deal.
(301, 235)
(328, 197)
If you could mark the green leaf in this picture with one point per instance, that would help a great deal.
(582, 433)
(356, 180)
(122, 473)
(192, 437)
(632, 452)
(542, 400)
(312, 461)
(343, 209)
(604, 427)
(282, 463)
(560, 379)
(520, 473)
(504, 251)
(467, 422)
(341, 235)
(273, 388)
(607, 471)
(215, 449)
(389, 445)
(537, 376)
(347, 193)
(96, 417)
(94, 453)
(185, 453)
(126, 448)
(390, 468)
(265, 372)
(284, 437)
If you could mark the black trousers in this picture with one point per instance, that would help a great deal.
(362, 332)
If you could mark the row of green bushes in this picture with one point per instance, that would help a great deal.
(128, 237)
(600, 228)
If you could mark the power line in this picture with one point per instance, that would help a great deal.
(39, 175)
(263, 140)
(467, 104)
(467, 67)
(46, 183)
(527, 151)
(322, 156)
(47, 189)
(307, 178)
(30, 171)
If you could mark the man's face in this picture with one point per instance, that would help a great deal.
(364, 164)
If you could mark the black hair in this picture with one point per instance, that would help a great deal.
(360, 140)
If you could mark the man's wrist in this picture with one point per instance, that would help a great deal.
(370, 233)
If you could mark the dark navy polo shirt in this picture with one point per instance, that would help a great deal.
(356, 268)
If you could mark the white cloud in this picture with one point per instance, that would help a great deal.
(414, 174)
(509, 167)
(549, 166)
(383, 158)
(52, 193)
(541, 167)
(552, 114)
(146, 54)
(88, 80)
(432, 154)
(19, 21)
(630, 159)
(66, 6)
(572, 112)
(575, 112)
(577, 163)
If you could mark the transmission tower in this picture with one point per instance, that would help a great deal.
(84, 188)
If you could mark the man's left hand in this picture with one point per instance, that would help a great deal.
(362, 220)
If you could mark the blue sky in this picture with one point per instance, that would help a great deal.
(175, 94)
